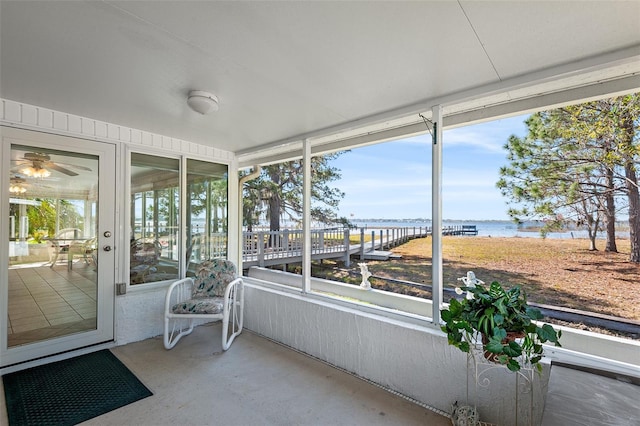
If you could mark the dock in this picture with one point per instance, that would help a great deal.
(460, 230)
(268, 248)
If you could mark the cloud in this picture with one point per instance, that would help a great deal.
(489, 137)
(468, 178)
(384, 188)
(473, 138)
(393, 179)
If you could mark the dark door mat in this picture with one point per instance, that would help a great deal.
(71, 391)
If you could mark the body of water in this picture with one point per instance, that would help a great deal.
(488, 228)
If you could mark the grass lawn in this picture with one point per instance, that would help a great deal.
(552, 271)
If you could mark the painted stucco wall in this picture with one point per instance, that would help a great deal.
(140, 315)
(579, 347)
(413, 360)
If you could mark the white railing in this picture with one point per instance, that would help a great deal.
(265, 248)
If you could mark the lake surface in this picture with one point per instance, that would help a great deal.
(490, 228)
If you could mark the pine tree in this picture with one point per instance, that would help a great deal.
(277, 193)
(578, 163)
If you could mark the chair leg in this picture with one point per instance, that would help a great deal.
(177, 331)
(54, 258)
(235, 316)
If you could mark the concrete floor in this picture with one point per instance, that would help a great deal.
(258, 382)
(579, 398)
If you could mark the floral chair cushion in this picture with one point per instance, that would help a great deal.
(199, 306)
(212, 278)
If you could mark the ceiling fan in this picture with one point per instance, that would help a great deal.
(19, 185)
(39, 164)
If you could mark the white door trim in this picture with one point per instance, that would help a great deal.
(107, 222)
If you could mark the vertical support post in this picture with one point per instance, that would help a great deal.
(373, 241)
(285, 242)
(361, 243)
(347, 243)
(306, 217)
(184, 231)
(436, 213)
(260, 243)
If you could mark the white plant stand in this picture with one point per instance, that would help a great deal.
(515, 395)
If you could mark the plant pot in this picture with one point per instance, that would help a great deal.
(511, 336)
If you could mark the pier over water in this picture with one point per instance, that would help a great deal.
(267, 248)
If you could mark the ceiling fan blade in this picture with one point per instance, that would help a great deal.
(38, 186)
(67, 172)
(17, 169)
(74, 166)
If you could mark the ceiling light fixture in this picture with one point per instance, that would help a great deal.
(17, 189)
(202, 102)
(36, 172)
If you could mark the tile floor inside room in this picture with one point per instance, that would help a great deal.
(46, 302)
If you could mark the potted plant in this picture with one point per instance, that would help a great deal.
(504, 322)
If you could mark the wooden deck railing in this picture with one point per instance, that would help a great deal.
(266, 248)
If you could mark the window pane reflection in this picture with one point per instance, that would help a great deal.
(206, 212)
(157, 253)
(155, 202)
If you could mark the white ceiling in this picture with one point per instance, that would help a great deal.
(284, 70)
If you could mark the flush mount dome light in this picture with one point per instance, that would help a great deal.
(202, 102)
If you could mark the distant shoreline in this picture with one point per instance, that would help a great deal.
(494, 228)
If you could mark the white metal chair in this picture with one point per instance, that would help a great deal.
(65, 242)
(144, 257)
(214, 293)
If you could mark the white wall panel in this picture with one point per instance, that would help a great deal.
(88, 127)
(60, 121)
(29, 114)
(43, 119)
(12, 112)
(75, 124)
(101, 130)
(413, 360)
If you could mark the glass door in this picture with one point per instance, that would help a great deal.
(60, 264)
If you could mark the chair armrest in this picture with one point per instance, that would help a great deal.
(182, 290)
(235, 283)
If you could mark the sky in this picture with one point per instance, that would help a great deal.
(392, 180)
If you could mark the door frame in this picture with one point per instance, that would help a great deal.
(107, 221)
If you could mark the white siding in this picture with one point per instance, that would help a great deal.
(46, 120)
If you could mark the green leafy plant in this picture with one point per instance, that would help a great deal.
(503, 320)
